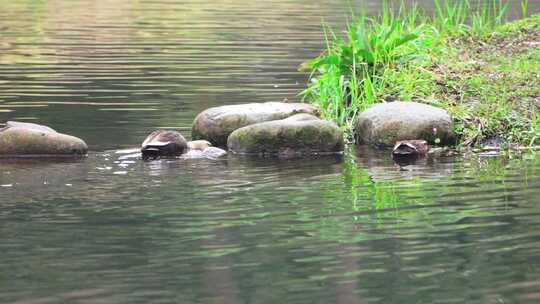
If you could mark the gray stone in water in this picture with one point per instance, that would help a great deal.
(216, 124)
(302, 117)
(20, 139)
(213, 152)
(385, 124)
(208, 153)
(298, 135)
(198, 144)
(28, 125)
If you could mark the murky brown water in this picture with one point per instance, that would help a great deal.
(356, 229)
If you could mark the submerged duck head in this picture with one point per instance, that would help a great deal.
(408, 148)
(163, 143)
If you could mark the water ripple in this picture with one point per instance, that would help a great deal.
(115, 229)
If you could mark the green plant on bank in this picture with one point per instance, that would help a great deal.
(462, 18)
(534, 132)
(348, 76)
(450, 58)
(524, 8)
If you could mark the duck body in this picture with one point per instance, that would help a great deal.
(410, 148)
(163, 143)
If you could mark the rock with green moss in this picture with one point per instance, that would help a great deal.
(384, 124)
(19, 139)
(216, 124)
(298, 135)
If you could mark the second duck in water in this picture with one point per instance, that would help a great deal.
(410, 148)
(165, 143)
(407, 152)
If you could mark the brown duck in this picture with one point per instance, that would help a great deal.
(410, 148)
(163, 143)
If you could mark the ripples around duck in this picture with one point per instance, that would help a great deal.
(350, 229)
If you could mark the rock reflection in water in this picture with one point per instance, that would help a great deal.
(115, 229)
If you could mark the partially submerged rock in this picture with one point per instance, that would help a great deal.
(386, 123)
(203, 149)
(216, 124)
(18, 139)
(28, 125)
(198, 145)
(208, 153)
(297, 135)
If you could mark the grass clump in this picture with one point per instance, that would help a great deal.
(462, 58)
(349, 75)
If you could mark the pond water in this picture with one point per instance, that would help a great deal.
(350, 229)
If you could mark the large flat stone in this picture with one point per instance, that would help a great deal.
(31, 140)
(294, 136)
(216, 124)
(385, 124)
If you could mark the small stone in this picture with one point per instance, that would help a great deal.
(208, 153)
(198, 144)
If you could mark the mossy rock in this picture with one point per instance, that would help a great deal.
(31, 140)
(216, 124)
(295, 136)
(384, 124)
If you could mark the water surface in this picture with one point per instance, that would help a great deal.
(348, 229)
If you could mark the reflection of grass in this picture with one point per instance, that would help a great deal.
(361, 193)
(377, 204)
(27, 48)
(491, 169)
(359, 185)
(384, 198)
(360, 206)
